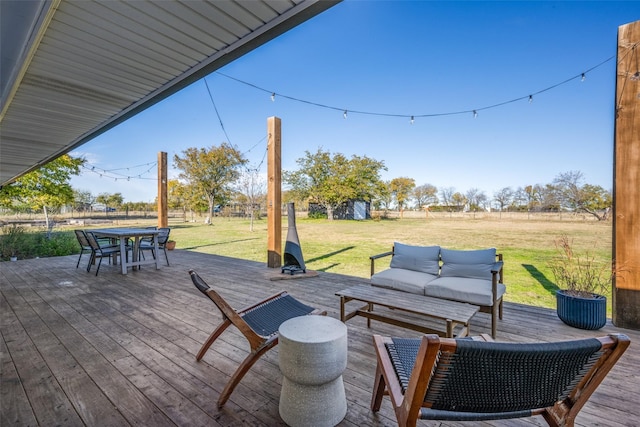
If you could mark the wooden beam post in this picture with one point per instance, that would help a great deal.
(274, 196)
(163, 207)
(626, 181)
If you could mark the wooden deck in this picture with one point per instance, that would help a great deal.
(78, 349)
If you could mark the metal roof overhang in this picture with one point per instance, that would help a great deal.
(71, 70)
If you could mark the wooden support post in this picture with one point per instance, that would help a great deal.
(274, 196)
(626, 181)
(163, 207)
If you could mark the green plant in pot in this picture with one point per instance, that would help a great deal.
(583, 281)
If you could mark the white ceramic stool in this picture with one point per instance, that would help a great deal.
(313, 355)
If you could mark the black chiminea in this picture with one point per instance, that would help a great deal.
(293, 260)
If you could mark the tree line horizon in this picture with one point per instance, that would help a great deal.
(219, 176)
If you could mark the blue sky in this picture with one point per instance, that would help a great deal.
(420, 58)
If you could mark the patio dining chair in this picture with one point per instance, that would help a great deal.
(258, 323)
(84, 245)
(146, 244)
(99, 250)
(473, 380)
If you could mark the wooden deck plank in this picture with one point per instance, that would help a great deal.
(130, 343)
(16, 409)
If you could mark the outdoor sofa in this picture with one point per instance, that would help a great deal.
(471, 276)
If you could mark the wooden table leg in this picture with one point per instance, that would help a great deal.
(449, 328)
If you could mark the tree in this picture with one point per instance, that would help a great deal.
(503, 197)
(596, 201)
(210, 173)
(44, 188)
(110, 200)
(179, 197)
(476, 199)
(458, 200)
(82, 200)
(519, 199)
(572, 194)
(425, 195)
(446, 194)
(331, 180)
(253, 189)
(383, 197)
(401, 189)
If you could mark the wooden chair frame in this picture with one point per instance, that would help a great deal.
(259, 343)
(409, 406)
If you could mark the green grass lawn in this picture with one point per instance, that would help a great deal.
(345, 246)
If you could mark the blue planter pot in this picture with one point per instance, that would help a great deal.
(581, 312)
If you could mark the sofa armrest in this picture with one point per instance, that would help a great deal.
(497, 268)
(496, 276)
(373, 259)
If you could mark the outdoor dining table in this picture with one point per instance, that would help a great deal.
(123, 235)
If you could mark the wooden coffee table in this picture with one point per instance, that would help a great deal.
(406, 310)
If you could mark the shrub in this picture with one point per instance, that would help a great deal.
(16, 241)
(12, 241)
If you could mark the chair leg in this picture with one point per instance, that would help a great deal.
(378, 390)
(78, 263)
(214, 335)
(99, 262)
(494, 320)
(166, 256)
(91, 261)
(244, 367)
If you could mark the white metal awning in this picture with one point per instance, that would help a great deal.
(70, 70)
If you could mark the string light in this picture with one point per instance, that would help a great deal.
(273, 96)
(475, 114)
(344, 115)
(411, 121)
(581, 76)
(113, 174)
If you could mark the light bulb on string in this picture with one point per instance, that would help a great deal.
(411, 120)
(530, 99)
(273, 96)
(344, 115)
(583, 77)
(475, 114)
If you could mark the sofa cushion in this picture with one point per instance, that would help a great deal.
(404, 280)
(473, 291)
(470, 264)
(416, 258)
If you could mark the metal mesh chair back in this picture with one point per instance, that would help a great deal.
(499, 377)
(163, 235)
(82, 239)
(93, 241)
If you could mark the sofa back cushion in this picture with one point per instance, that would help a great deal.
(417, 258)
(472, 264)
